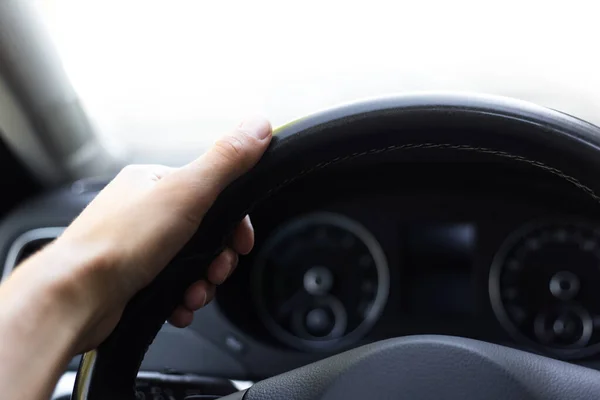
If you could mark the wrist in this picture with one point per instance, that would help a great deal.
(41, 325)
(68, 281)
(40, 294)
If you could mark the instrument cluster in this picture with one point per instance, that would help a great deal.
(321, 281)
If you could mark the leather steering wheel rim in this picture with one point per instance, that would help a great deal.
(506, 129)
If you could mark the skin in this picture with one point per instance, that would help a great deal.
(67, 298)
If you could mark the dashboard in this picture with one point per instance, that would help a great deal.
(511, 259)
(326, 280)
(489, 251)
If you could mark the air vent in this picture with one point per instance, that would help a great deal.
(27, 244)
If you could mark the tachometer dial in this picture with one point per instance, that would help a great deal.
(321, 282)
(545, 287)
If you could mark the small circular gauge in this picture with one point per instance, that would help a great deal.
(320, 282)
(544, 287)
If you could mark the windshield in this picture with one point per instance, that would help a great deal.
(164, 78)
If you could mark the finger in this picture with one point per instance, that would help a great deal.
(196, 295)
(181, 317)
(231, 156)
(212, 290)
(243, 237)
(222, 266)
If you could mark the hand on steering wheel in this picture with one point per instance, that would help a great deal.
(120, 242)
(143, 218)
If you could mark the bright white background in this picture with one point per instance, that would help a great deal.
(165, 77)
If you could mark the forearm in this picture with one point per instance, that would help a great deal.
(39, 326)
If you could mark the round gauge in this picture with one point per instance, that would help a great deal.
(544, 287)
(320, 282)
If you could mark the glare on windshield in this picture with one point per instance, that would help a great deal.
(167, 76)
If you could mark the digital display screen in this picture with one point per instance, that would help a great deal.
(437, 265)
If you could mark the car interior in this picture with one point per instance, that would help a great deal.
(429, 245)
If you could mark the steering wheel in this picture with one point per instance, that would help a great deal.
(420, 127)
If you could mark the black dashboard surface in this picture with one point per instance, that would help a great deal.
(421, 214)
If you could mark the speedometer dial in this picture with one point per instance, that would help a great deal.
(545, 287)
(321, 282)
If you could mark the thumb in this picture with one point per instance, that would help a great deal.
(235, 153)
(229, 157)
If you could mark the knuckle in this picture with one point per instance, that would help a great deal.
(231, 148)
(250, 140)
(230, 255)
